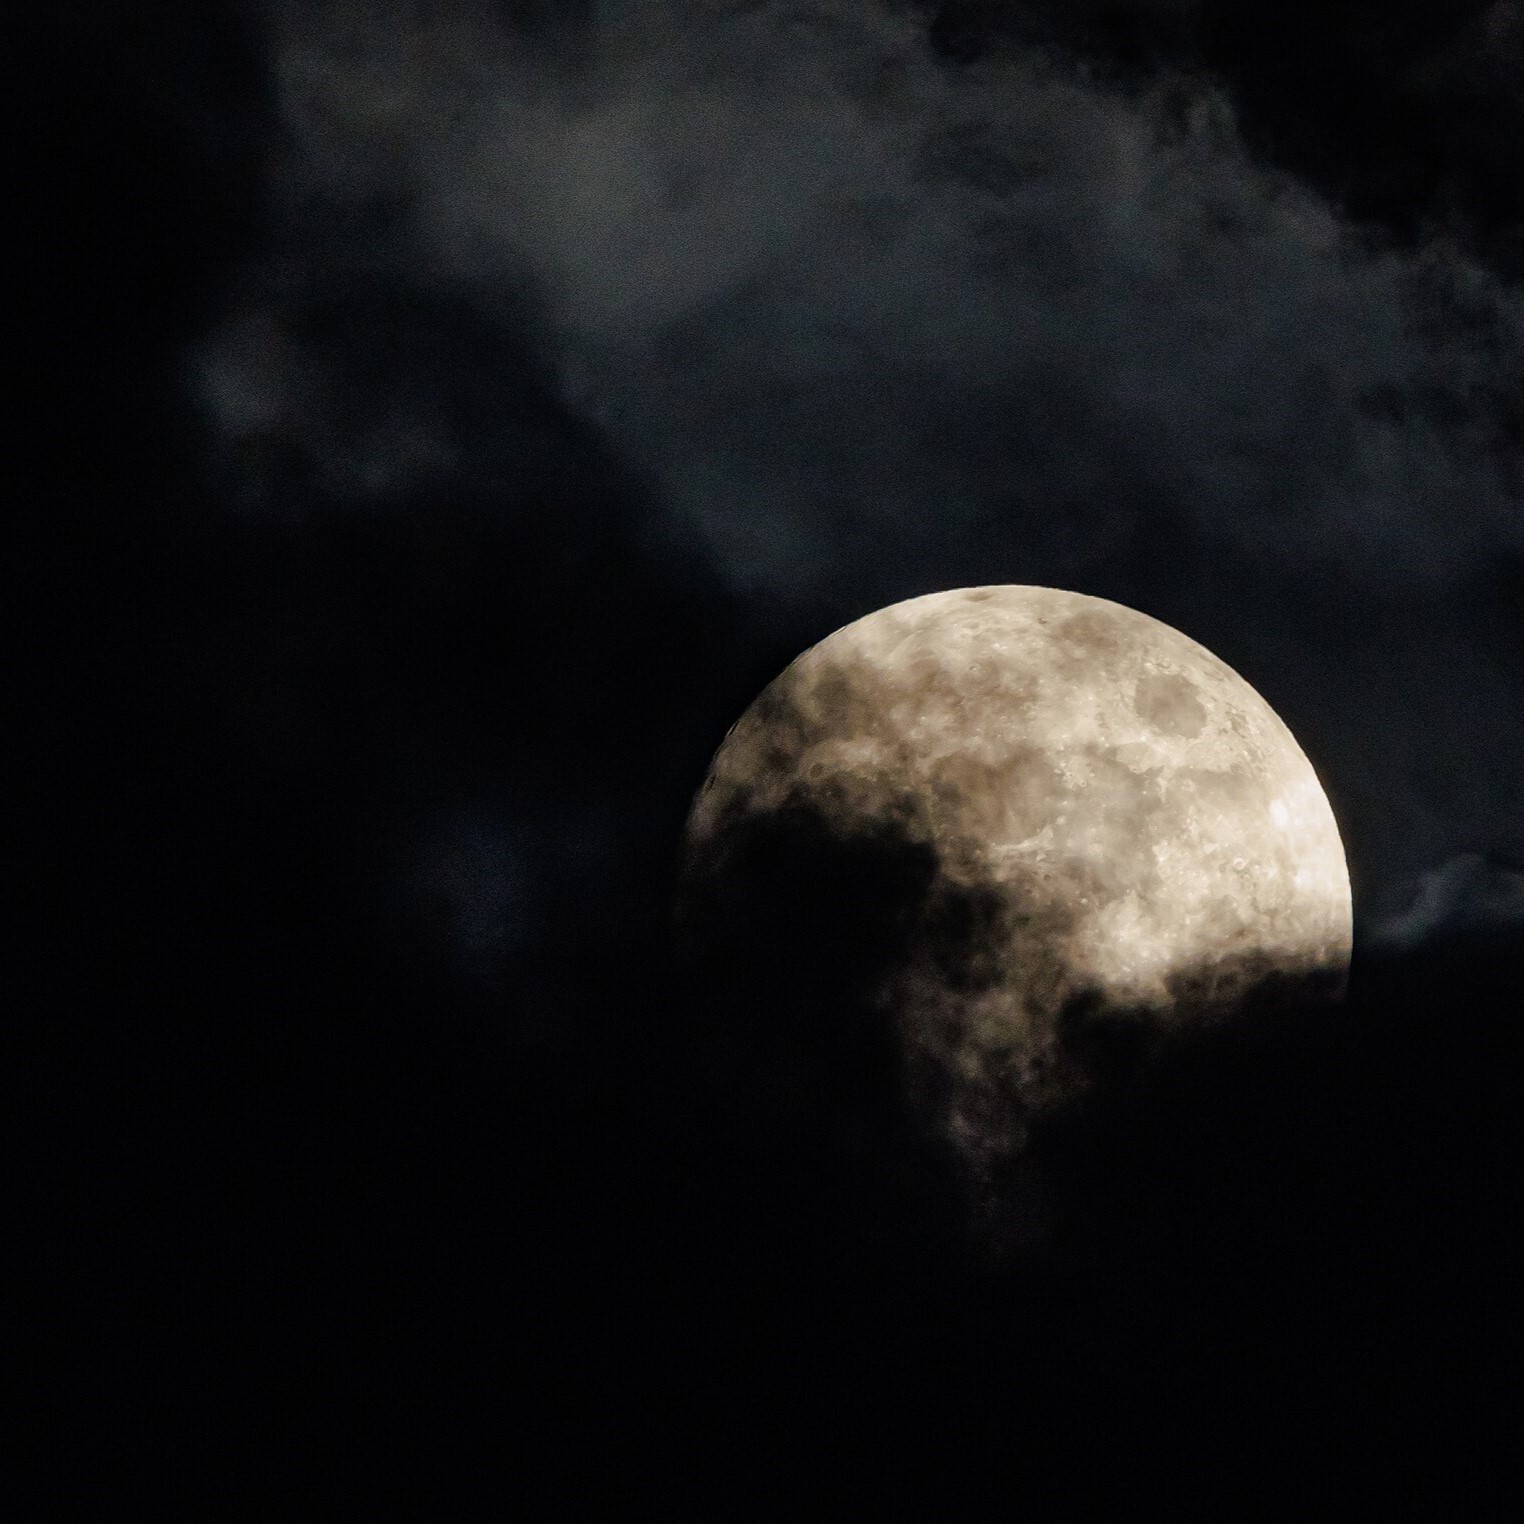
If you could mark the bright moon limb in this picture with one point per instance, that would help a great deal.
(1043, 802)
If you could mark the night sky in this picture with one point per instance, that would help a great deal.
(455, 415)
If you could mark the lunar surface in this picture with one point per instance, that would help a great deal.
(967, 828)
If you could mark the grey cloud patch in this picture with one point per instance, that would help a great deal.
(867, 325)
(880, 292)
(287, 415)
(809, 278)
(1469, 893)
(474, 873)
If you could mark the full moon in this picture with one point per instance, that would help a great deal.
(979, 821)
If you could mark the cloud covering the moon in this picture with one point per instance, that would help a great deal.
(1042, 817)
(810, 286)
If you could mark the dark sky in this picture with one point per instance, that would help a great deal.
(456, 415)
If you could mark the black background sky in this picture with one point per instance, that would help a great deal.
(456, 415)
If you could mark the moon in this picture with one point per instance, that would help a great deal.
(963, 830)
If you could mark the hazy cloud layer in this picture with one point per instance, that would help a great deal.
(864, 324)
